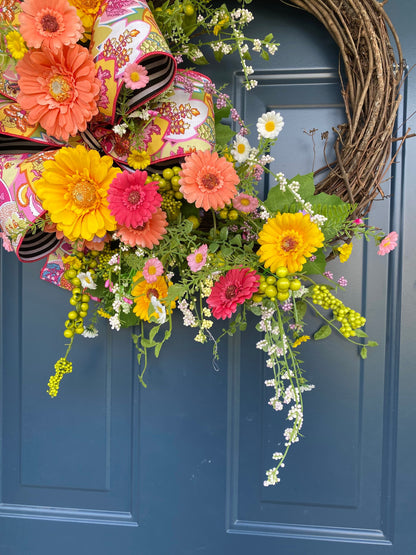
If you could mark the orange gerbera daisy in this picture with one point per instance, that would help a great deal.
(49, 23)
(73, 189)
(208, 180)
(148, 235)
(59, 91)
(143, 292)
(288, 240)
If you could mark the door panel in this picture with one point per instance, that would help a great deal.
(110, 467)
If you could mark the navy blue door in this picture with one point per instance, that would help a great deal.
(177, 469)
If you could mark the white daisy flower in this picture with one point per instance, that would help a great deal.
(241, 149)
(86, 280)
(90, 332)
(270, 124)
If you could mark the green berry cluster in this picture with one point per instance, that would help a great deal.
(169, 189)
(277, 287)
(62, 366)
(349, 318)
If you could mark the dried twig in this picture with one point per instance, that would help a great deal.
(374, 69)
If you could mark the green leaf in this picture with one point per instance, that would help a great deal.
(265, 55)
(360, 333)
(279, 201)
(317, 266)
(200, 61)
(223, 134)
(323, 332)
(146, 343)
(219, 55)
(213, 247)
(224, 233)
(236, 240)
(268, 38)
(153, 332)
(157, 349)
(301, 308)
(363, 353)
(372, 344)
(226, 250)
(221, 113)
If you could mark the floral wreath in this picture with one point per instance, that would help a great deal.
(142, 199)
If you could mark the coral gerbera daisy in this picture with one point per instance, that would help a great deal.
(135, 76)
(153, 268)
(245, 203)
(49, 23)
(231, 290)
(59, 91)
(132, 201)
(143, 292)
(208, 180)
(288, 240)
(148, 235)
(73, 189)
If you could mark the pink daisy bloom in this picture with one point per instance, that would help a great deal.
(245, 203)
(197, 259)
(152, 270)
(135, 76)
(132, 201)
(231, 290)
(388, 244)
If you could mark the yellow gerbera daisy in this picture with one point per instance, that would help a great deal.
(344, 252)
(87, 10)
(288, 240)
(138, 159)
(16, 45)
(143, 292)
(73, 189)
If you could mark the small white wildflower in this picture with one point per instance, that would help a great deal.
(139, 252)
(86, 280)
(272, 48)
(201, 337)
(120, 129)
(114, 322)
(257, 45)
(264, 214)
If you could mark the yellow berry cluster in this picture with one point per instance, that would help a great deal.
(62, 366)
(349, 318)
(277, 287)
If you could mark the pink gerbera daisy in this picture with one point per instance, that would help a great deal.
(231, 290)
(135, 76)
(197, 259)
(245, 203)
(132, 201)
(148, 235)
(49, 23)
(152, 270)
(208, 180)
(388, 244)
